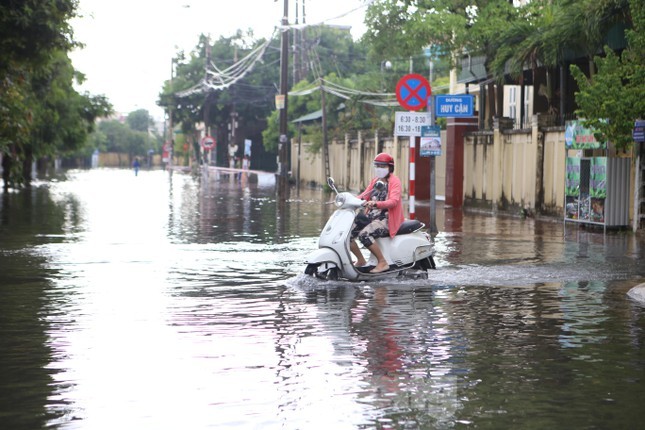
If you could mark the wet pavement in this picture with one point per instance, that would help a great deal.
(167, 301)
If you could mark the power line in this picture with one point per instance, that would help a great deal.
(220, 79)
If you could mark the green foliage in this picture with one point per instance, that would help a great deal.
(62, 118)
(343, 115)
(613, 98)
(251, 98)
(140, 120)
(540, 33)
(133, 137)
(31, 29)
(331, 53)
(40, 112)
(14, 112)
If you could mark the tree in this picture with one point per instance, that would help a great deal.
(612, 98)
(453, 26)
(140, 120)
(61, 117)
(248, 99)
(113, 136)
(41, 114)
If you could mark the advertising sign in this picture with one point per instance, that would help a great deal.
(430, 141)
(577, 136)
(586, 188)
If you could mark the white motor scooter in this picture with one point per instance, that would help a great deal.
(409, 252)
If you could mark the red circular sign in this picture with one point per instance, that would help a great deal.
(208, 142)
(413, 91)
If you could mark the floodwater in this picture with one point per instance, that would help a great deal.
(166, 301)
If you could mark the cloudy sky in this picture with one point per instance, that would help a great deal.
(129, 44)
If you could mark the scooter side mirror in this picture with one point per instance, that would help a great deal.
(332, 184)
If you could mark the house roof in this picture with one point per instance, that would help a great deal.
(472, 69)
(309, 117)
(315, 115)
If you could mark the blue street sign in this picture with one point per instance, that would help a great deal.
(454, 105)
(638, 134)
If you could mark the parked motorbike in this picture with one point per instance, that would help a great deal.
(409, 253)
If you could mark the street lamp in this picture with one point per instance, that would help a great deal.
(430, 52)
(385, 65)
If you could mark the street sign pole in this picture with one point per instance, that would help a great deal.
(412, 174)
(433, 205)
(412, 92)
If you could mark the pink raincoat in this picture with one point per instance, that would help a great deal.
(393, 204)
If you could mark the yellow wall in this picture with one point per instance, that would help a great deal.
(350, 163)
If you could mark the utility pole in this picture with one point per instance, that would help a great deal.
(283, 165)
(171, 137)
(296, 50)
(433, 181)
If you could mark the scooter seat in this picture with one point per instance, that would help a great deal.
(410, 226)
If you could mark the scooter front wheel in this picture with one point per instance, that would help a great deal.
(331, 274)
(425, 264)
(311, 270)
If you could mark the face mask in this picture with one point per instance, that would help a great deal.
(381, 172)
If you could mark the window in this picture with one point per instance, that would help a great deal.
(512, 102)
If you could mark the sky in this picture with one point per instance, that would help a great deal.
(129, 44)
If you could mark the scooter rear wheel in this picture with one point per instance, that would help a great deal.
(332, 274)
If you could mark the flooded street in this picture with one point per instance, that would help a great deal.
(166, 301)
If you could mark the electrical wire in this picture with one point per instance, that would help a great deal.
(218, 79)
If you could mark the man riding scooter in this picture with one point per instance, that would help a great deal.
(383, 213)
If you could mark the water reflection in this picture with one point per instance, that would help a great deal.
(172, 301)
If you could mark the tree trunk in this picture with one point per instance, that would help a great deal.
(7, 162)
(492, 97)
(27, 166)
(500, 99)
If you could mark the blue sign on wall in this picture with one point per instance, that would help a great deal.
(454, 105)
(638, 134)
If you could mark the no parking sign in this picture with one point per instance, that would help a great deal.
(208, 142)
(413, 91)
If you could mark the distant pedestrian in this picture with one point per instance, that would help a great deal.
(136, 164)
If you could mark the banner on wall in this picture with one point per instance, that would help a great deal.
(586, 188)
(572, 187)
(577, 136)
(598, 188)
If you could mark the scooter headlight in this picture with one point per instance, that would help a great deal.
(340, 200)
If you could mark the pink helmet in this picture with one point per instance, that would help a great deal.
(384, 158)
